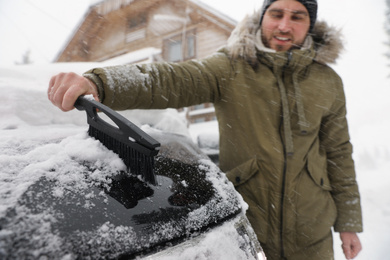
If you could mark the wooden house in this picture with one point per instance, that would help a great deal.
(137, 31)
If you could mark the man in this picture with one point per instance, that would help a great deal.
(282, 120)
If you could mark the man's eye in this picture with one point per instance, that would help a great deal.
(297, 18)
(277, 16)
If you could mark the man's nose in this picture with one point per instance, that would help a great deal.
(285, 25)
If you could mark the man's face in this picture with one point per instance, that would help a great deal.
(285, 25)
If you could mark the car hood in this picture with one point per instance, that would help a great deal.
(67, 196)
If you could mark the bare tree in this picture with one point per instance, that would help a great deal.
(26, 58)
(387, 27)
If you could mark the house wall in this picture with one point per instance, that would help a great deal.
(106, 35)
(209, 40)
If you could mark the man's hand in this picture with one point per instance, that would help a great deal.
(65, 88)
(351, 244)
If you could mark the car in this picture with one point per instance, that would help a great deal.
(66, 196)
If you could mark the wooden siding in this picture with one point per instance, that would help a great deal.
(209, 40)
(106, 31)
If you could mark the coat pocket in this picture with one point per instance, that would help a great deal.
(241, 174)
(317, 168)
(316, 210)
(249, 182)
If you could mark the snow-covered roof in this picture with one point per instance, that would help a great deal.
(214, 11)
(107, 6)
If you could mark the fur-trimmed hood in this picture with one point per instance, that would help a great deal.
(327, 41)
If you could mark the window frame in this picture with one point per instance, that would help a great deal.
(187, 53)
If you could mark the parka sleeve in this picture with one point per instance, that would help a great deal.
(335, 140)
(162, 85)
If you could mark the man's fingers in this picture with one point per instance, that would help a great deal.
(71, 95)
(65, 88)
(347, 251)
(351, 251)
(355, 249)
(55, 91)
(50, 88)
(351, 244)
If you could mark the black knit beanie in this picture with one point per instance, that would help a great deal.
(311, 6)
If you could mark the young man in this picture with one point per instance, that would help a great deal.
(282, 120)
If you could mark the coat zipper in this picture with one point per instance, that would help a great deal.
(284, 176)
(281, 208)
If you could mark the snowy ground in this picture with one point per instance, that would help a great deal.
(23, 105)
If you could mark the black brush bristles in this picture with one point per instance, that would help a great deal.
(135, 161)
(136, 148)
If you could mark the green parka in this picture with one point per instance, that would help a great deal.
(284, 139)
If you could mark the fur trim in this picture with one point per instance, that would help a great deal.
(327, 41)
(242, 42)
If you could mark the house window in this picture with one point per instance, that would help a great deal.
(136, 27)
(137, 21)
(175, 51)
(200, 120)
(190, 52)
(200, 106)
